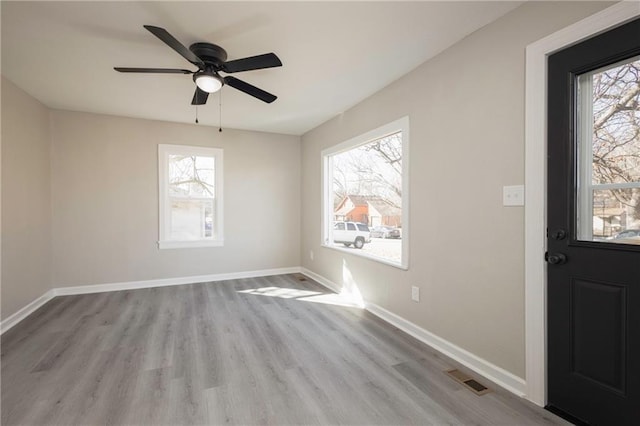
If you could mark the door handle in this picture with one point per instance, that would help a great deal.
(556, 258)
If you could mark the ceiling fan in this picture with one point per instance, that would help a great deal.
(211, 60)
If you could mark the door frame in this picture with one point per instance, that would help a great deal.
(536, 187)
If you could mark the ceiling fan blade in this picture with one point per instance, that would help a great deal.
(268, 60)
(171, 41)
(250, 89)
(199, 97)
(154, 70)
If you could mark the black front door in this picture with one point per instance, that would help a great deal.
(593, 293)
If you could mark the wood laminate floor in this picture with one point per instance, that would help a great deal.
(249, 351)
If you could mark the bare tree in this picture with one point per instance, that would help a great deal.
(616, 132)
(189, 176)
(372, 169)
(390, 150)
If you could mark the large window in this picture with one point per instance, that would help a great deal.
(190, 196)
(365, 195)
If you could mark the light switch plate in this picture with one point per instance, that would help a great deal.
(513, 195)
(415, 293)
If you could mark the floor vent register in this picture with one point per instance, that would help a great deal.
(471, 384)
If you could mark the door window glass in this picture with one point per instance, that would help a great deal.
(608, 201)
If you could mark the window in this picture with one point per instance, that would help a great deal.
(190, 196)
(365, 195)
(609, 153)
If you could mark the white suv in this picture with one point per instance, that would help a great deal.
(349, 233)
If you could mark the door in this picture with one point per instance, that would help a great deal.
(593, 181)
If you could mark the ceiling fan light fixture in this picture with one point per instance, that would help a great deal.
(208, 81)
(210, 59)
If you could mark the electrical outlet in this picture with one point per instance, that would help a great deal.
(311, 254)
(415, 293)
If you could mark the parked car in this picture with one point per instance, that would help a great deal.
(385, 232)
(628, 236)
(349, 233)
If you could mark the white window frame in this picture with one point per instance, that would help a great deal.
(585, 158)
(326, 240)
(164, 151)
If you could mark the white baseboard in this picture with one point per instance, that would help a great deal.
(14, 319)
(132, 285)
(490, 371)
(163, 282)
(321, 280)
(498, 375)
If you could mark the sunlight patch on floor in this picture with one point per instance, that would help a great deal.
(283, 293)
(350, 287)
(342, 299)
(333, 299)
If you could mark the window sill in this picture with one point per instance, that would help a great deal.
(189, 244)
(360, 253)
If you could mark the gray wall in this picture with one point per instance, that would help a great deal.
(466, 108)
(105, 200)
(26, 199)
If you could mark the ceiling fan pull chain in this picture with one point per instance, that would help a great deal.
(196, 114)
(220, 110)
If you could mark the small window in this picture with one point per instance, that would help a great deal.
(365, 185)
(608, 199)
(190, 185)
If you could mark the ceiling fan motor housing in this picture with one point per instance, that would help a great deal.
(211, 54)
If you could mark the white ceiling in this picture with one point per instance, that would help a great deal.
(334, 54)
